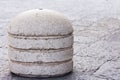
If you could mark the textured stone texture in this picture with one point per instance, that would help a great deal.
(40, 55)
(48, 22)
(45, 32)
(97, 36)
(41, 42)
(41, 69)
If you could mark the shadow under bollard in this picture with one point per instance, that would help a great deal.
(69, 76)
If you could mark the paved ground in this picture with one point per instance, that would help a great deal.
(97, 36)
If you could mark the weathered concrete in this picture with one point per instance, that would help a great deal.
(40, 31)
(97, 36)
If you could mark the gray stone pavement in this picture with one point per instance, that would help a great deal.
(97, 36)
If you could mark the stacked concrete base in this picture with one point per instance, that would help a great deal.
(40, 44)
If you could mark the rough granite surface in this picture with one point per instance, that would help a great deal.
(96, 26)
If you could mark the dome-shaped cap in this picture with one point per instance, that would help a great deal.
(40, 22)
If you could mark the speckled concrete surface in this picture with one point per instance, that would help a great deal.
(96, 29)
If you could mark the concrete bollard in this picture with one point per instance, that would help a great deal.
(40, 44)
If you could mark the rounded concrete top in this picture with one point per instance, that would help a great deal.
(40, 22)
